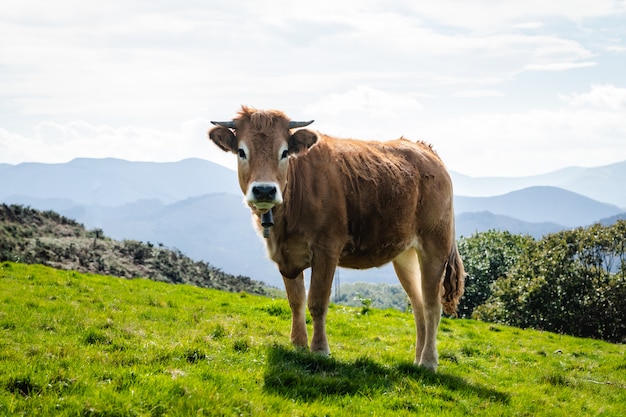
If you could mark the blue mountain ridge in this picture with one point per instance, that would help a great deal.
(540, 204)
(603, 183)
(113, 182)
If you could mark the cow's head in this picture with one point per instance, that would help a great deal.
(264, 142)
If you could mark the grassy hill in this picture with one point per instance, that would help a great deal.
(45, 237)
(80, 344)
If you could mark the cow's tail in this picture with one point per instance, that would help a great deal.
(453, 282)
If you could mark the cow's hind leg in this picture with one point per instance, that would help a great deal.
(407, 269)
(296, 294)
(432, 260)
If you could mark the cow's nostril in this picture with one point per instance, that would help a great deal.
(264, 192)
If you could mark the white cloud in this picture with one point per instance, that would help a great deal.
(528, 25)
(588, 130)
(478, 93)
(61, 142)
(366, 100)
(616, 49)
(364, 112)
(126, 49)
(605, 96)
(481, 15)
(140, 77)
(559, 66)
(530, 142)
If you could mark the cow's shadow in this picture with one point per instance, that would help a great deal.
(301, 375)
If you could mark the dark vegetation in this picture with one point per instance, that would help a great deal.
(571, 282)
(45, 237)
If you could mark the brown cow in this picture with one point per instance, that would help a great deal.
(350, 203)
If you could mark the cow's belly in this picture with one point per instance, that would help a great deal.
(359, 258)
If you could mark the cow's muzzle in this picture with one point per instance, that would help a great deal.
(264, 192)
(264, 195)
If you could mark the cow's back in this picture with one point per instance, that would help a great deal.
(374, 197)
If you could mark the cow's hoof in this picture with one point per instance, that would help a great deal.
(430, 366)
(321, 351)
(300, 343)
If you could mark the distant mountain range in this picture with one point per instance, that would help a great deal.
(540, 204)
(113, 182)
(469, 223)
(605, 183)
(196, 206)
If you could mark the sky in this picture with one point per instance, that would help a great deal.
(500, 88)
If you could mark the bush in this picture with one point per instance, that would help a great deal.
(570, 282)
(487, 257)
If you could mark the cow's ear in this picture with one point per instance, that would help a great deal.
(224, 138)
(301, 141)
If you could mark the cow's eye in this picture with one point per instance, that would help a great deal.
(285, 154)
(242, 153)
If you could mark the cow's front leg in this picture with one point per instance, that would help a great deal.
(296, 294)
(322, 271)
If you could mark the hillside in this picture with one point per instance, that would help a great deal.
(74, 344)
(214, 227)
(32, 236)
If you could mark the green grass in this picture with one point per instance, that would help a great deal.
(86, 345)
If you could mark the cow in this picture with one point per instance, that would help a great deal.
(323, 202)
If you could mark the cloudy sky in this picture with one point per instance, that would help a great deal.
(500, 88)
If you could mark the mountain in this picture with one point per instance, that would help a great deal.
(113, 182)
(605, 183)
(612, 220)
(468, 224)
(540, 204)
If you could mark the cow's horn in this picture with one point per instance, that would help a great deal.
(294, 125)
(230, 125)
